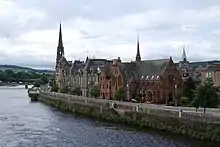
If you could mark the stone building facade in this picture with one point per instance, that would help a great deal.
(212, 71)
(154, 81)
(62, 65)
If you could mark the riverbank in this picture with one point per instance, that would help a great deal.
(202, 126)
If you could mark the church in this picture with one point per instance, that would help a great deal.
(154, 81)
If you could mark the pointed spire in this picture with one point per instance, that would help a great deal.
(60, 48)
(60, 42)
(138, 56)
(184, 54)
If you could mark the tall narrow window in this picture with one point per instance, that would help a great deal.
(120, 81)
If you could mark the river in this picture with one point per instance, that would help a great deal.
(27, 124)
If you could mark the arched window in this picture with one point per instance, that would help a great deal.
(171, 79)
(120, 81)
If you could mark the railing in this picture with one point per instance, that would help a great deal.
(165, 111)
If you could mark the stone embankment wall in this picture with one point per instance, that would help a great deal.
(142, 116)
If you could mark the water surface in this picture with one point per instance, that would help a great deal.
(27, 124)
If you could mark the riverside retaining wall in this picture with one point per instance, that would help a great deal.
(200, 126)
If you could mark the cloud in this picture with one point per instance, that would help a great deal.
(29, 29)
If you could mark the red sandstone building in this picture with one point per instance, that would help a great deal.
(153, 81)
(212, 71)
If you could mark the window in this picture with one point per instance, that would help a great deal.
(171, 79)
(120, 81)
(116, 71)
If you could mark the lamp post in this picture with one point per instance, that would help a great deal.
(174, 91)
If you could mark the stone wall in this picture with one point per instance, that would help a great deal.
(201, 126)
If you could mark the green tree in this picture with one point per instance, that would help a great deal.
(95, 91)
(37, 83)
(65, 89)
(206, 95)
(55, 88)
(120, 94)
(76, 91)
(44, 79)
(188, 89)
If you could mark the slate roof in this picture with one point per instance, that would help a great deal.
(93, 64)
(128, 69)
(151, 68)
(77, 66)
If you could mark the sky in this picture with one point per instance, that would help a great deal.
(29, 30)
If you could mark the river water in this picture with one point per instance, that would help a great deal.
(27, 124)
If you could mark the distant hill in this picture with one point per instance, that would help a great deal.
(21, 68)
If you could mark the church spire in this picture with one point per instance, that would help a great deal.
(184, 54)
(60, 48)
(60, 42)
(138, 56)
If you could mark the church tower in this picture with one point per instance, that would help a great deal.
(184, 66)
(60, 48)
(138, 56)
(184, 55)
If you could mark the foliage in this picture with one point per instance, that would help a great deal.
(65, 89)
(37, 83)
(44, 79)
(76, 91)
(55, 88)
(206, 95)
(188, 89)
(95, 91)
(120, 94)
(184, 101)
(9, 75)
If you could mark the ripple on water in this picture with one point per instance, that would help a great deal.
(25, 124)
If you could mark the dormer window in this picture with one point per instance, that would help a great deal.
(142, 77)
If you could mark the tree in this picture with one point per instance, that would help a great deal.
(120, 94)
(95, 91)
(44, 79)
(188, 89)
(65, 89)
(206, 95)
(76, 91)
(55, 88)
(37, 83)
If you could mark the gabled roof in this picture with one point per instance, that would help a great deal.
(63, 61)
(128, 69)
(93, 64)
(76, 66)
(151, 67)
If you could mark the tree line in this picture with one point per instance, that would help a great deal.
(9, 75)
(192, 94)
(199, 95)
(94, 91)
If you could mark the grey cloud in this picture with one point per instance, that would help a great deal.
(100, 10)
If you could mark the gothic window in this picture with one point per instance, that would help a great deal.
(171, 79)
(116, 71)
(120, 81)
